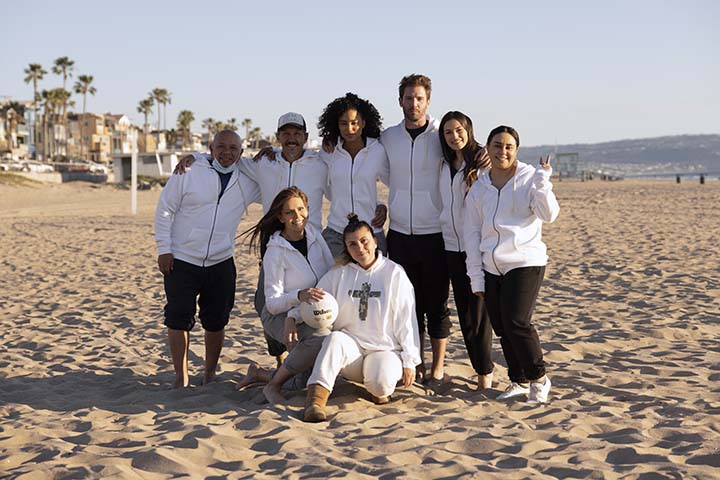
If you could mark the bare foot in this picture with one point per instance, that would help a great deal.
(273, 394)
(255, 374)
(484, 382)
(420, 373)
(181, 382)
(280, 359)
(209, 377)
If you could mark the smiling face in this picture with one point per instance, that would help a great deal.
(414, 103)
(293, 216)
(226, 148)
(292, 139)
(361, 245)
(502, 149)
(455, 135)
(351, 126)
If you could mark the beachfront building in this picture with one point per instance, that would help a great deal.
(15, 130)
(51, 137)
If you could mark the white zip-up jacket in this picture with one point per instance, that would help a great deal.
(452, 191)
(287, 271)
(352, 184)
(194, 223)
(308, 173)
(376, 307)
(503, 228)
(414, 167)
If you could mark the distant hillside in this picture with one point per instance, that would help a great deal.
(644, 156)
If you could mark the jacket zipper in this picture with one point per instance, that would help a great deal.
(452, 207)
(352, 194)
(289, 175)
(497, 207)
(412, 153)
(212, 229)
(311, 267)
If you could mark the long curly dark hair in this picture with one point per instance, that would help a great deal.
(270, 223)
(469, 151)
(328, 122)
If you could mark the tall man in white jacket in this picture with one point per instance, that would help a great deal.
(415, 238)
(195, 225)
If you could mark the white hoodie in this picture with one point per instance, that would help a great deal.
(415, 203)
(353, 183)
(196, 226)
(453, 191)
(287, 271)
(377, 307)
(308, 173)
(502, 228)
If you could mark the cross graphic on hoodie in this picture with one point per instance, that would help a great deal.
(363, 294)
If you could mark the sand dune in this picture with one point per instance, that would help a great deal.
(629, 316)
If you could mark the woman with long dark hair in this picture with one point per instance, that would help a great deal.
(463, 159)
(506, 257)
(295, 257)
(352, 126)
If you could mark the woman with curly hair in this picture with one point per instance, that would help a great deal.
(352, 126)
(464, 159)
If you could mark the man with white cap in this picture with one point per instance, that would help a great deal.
(294, 166)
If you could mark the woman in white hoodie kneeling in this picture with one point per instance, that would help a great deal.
(375, 338)
(295, 257)
(506, 258)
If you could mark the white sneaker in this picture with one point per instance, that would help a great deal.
(539, 391)
(513, 390)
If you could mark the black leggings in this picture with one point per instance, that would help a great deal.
(472, 314)
(510, 300)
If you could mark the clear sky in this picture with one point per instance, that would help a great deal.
(558, 71)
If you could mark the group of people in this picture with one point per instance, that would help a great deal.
(460, 214)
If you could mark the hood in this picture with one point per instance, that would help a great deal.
(278, 240)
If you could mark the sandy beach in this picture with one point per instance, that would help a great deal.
(629, 317)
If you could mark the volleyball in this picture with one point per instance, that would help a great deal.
(320, 313)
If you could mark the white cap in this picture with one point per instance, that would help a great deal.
(291, 118)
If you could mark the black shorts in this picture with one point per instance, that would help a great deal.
(215, 287)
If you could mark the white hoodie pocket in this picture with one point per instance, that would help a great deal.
(197, 240)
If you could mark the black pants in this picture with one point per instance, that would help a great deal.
(472, 314)
(213, 288)
(510, 300)
(422, 257)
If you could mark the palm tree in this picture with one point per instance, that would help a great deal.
(212, 127)
(162, 96)
(247, 123)
(255, 134)
(145, 107)
(185, 118)
(34, 73)
(63, 66)
(171, 138)
(83, 86)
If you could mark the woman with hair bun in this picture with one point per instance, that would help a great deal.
(375, 338)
